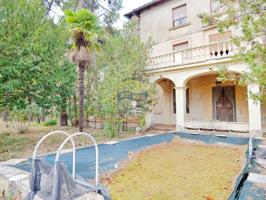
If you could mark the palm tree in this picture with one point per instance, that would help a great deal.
(84, 29)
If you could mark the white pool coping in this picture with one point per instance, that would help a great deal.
(257, 178)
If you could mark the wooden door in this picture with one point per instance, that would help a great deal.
(224, 103)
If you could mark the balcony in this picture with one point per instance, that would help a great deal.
(212, 51)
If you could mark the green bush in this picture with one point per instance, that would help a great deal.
(19, 121)
(51, 122)
(142, 121)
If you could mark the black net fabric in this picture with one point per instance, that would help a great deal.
(54, 183)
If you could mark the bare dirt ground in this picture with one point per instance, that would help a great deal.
(180, 170)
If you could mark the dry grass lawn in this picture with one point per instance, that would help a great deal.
(13, 145)
(179, 171)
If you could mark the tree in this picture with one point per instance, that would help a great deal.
(122, 62)
(66, 82)
(84, 29)
(32, 51)
(106, 10)
(249, 16)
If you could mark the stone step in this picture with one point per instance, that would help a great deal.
(257, 178)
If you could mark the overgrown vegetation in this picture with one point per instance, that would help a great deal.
(121, 63)
(50, 122)
(35, 77)
(37, 80)
(14, 145)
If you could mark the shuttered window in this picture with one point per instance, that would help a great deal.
(218, 37)
(180, 46)
(174, 101)
(180, 15)
(187, 100)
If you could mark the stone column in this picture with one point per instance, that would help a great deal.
(254, 109)
(180, 108)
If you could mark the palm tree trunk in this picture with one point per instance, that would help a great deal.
(81, 95)
(63, 114)
(75, 111)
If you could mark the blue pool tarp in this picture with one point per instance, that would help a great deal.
(112, 155)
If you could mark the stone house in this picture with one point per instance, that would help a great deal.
(184, 62)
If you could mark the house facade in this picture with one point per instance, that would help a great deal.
(184, 63)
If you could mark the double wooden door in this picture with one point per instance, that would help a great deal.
(224, 106)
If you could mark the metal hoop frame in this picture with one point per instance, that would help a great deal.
(70, 137)
(34, 157)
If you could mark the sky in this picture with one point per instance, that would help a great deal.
(129, 5)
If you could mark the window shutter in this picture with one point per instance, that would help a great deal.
(180, 12)
(180, 47)
(218, 37)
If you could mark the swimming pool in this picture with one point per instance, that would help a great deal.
(112, 154)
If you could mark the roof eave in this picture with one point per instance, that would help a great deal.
(138, 10)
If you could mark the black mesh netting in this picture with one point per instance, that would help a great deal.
(54, 183)
(245, 189)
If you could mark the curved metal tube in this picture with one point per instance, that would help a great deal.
(53, 133)
(250, 146)
(96, 151)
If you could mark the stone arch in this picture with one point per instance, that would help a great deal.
(165, 83)
(204, 96)
(203, 73)
(158, 79)
(163, 110)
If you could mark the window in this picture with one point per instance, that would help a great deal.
(174, 101)
(187, 100)
(180, 46)
(218, 37)
(180, 15)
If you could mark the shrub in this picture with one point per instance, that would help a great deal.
(142, 120)
(51, 122)
(19, 121)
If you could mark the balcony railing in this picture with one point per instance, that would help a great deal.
(193, 55)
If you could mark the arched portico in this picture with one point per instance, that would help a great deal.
(199, 105)
(211, 104)
(163, 112)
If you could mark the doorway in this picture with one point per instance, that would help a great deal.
(224, 106)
